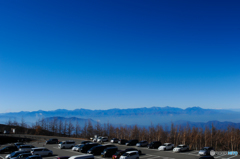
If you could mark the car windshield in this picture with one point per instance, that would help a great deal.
(117, 153)
(142, 141)
(204, 148)
(13, 154)
(165, 144)
(125, 154)
(60, 143)
(179, 146)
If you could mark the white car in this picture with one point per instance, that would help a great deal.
(181, 148)
(66, 144)
(102, 139)
(130, 155)
(76, 147)
(25, 147)
(42, 151)
(166, 146)
(96, 139)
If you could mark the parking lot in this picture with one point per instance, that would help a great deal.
(147, 153)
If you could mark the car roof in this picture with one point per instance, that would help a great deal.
(24, 153)
(39, 148)
(131, 151)
(81, 155)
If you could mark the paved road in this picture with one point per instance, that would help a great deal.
(147, 153)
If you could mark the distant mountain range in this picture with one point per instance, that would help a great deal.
(140, 116)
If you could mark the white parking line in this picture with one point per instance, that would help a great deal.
(231, 157)
(219, 156)
(154, 156)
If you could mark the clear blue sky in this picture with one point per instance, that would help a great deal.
(119, 54)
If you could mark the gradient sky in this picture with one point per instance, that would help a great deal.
(119, 54)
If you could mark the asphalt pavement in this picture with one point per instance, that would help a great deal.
(146, 153)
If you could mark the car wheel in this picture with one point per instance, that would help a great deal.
(164, 149)
(49, 154)
(137, 158)
(63, 147)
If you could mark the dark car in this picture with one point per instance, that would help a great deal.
(85, 142)
(131, 143)
(205, 151)
(114, 140)
(108, 152)
(15, 154)
(86, 147)
(97, 150)
(34, 157)
(122, 141)
(22, 156)
(63, 157)
(206, 157)
(52, 141)
(133, 149)
(18, 144)
(154, 145)
(118, 154)
(8, 149)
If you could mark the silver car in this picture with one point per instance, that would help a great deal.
(142, 144)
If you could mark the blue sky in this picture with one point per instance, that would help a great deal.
(119, 54)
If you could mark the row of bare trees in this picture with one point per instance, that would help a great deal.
(195, 137)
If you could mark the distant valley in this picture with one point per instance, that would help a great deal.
(195, 116)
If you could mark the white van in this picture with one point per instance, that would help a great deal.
(66, 144)
(87, 156)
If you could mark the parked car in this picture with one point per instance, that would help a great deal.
(130, 155)
(34, 157)
(96, 139)
(103, 139)
(122, 141)
(181, 148)
(142, 144)
(166, 146)
(15, 154)
(22, 156)
(66, 144)
(118, 154)
(131, 143)
(133, 149)
(108, 152)
(18, 144)
(205, 151)
(86, 147)
(41, 151)
(206, 157)
(52, 141)
(87, 156)
(25, 147)
(8, 149)
(97, 150)
(114, 140)
(85, 142)
(76, 147)
(154, 145)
